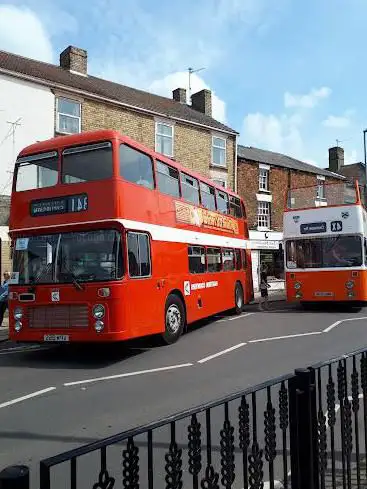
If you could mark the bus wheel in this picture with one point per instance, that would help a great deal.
(238, 297)
(174, 319)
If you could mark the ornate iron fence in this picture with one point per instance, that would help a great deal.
(304, 430)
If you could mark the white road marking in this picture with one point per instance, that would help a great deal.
(234, 318)
(28, 396)
(261, 340)
(223, 352)
(241, 316)
(334, 325)
(128, 374)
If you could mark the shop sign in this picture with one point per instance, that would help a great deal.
(264, 244)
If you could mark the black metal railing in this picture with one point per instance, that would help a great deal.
(305, 430)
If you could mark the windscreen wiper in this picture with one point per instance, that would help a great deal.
(74, 280)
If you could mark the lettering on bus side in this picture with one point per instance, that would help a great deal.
(201, 285)
(197, 216)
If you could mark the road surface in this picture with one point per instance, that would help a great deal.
(53, 398)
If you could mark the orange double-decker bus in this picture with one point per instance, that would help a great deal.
(113, 241)
(325, 244)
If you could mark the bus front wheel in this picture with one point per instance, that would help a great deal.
(174, 319)
(238, 298)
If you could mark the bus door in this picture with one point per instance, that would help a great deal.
(143, 293)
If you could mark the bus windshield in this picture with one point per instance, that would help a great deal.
(328, 252)
(321, 195)
(68, 257)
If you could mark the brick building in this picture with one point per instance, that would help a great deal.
(81, 102)
(352, 172)
(263, 180)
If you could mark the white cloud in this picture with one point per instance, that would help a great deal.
(22, 32)
(275, 133)
(339, 121)
(165, 86)
(309, 100)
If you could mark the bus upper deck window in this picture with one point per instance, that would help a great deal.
(36, 171)
(87, 163)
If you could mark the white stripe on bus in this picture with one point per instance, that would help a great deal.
(162, 233)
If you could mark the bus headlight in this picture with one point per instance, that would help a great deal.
(98, 326)
(349, 284)
(98, 311)
(297, 285)
(18, 313)
(18, 326)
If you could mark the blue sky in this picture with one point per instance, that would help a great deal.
(288, 75)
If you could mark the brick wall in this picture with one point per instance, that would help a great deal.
(5, 263)
(192, 145)
(280, 178)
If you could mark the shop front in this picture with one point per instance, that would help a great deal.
(267, 253)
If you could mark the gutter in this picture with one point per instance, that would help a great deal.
(100, 98)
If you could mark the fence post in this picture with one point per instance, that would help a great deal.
(15, 477)
(303, 430)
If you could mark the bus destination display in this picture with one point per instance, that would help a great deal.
(59, 205)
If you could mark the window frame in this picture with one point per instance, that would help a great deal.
(201, 191)
(142, 233)
(187, 175)
(233, 260)
(268, 215)
(217, 191)
(58, 113)
(188, 257)
(220, 148)
(153, 166)
(157, 134)
(238, 259)
(157, 172)
(85, 148)
(23, 161)
(264, 174)
(207, 261)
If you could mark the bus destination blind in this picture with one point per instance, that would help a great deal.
(59, 205)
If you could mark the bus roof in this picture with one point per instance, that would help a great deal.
(86, 137)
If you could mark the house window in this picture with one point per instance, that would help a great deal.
(219, 151)
(164, 138)
(68, 116)
(263, 215)
(263, 179)
(320, 188)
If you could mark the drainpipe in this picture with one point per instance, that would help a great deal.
(235, 163)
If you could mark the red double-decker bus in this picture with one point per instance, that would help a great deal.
(113, 241)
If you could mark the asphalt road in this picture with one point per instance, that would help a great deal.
(54, 398)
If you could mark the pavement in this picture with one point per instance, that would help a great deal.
(56, 398)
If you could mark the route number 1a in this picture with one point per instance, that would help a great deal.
(336, 226)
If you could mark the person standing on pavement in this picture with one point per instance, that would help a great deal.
(264, 286)
(4, 291)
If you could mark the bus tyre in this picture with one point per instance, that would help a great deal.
(175, 319)
(238, 298)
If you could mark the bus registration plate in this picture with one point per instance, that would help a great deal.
(324, 294)
(56, 337)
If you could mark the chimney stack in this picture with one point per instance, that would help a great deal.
(202, 102)
(179, 94)
(75, 60)
(336, 159)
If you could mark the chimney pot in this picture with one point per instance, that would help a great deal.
(336, 159)
(74, 59)
(202, 102)
(179, 94)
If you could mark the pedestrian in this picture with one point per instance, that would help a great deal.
(264, 286)
(4, 291)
